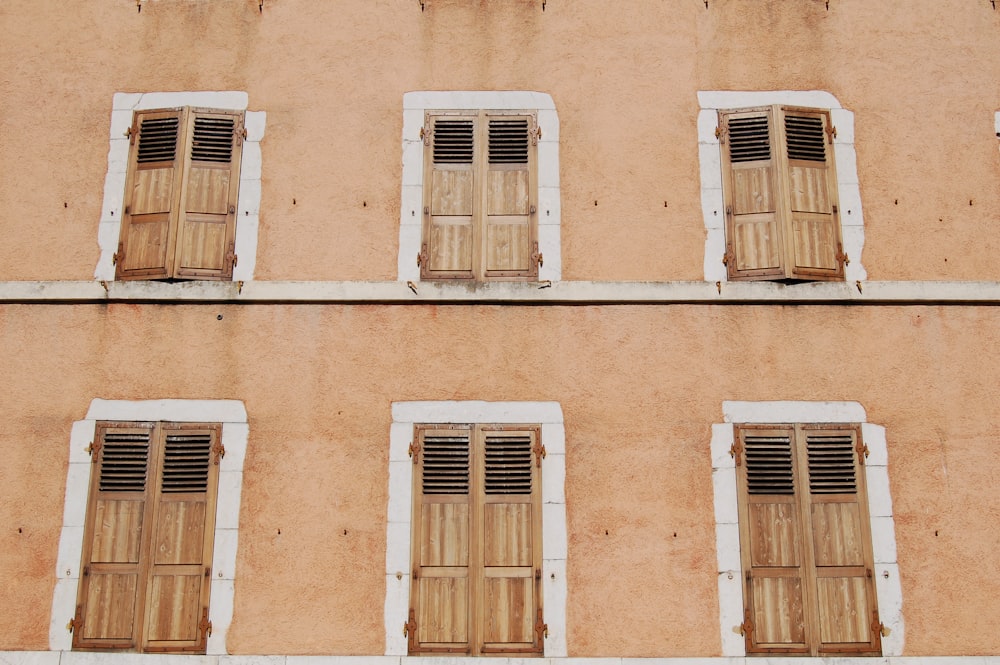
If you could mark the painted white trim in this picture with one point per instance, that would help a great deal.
(727, 530)
(235, 433)
(639, 293)
(123, 108)
(415, 104)
(849, 191)
(554, 538)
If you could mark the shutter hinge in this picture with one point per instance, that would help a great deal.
(735, 451)
(426, 131)
(414, 452)
(422, 255)
(831, 133)
(863, 451)
(541, 628)
(730, 254)
(878, 627)
(230, 258)
(841, 256)
(535, 133)
(410, 628)
(536, 257)
(119, 255)
(720, 133)
(131, 133)
(539, 451)
(220, 452)
(746, 628)
(76, 622)
(93, 449)
(240, 133)
(205, 626)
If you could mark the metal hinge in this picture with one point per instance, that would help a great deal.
(119, 255)
(877, 626)
(205, 626)
(539, 451)
(541, 628)
(863, 451)
(422, 255)
(220, 452)
(93, 449)
(735, 451)
(535, 133)
(841, 256)
(720, 133)
(746, 628)
(410, 627)
(831, 133)
(131, 133)
(426, 131)
(414, 452)
(240, 133)
(231, 258)
(536, 257)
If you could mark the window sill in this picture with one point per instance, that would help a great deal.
(528, 293)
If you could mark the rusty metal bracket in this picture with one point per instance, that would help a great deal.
(539, 451)
(220, 451)
(414, 452)
(541, 628)
(831, 133)
(735, 451)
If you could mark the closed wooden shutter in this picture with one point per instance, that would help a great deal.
(151, 195)
(509, 196)
(812, 192)
(206, 230)
(183, 530)
(774, 560)
(476, 548)
(841, 541)
(450, 200)
(114, 547)
(805, 541)
(442, 524)
(149, 537)
(511, 541)
(754, 233)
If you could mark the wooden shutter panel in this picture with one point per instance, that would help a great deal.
(841, 541)
(754, 234)
(441, 586)
(183, 531)
(509, 198)
(450, 186)
(774, 562)
(207, 225)
(812, 193)
(151, 195)
(111, 589)
(510, 515)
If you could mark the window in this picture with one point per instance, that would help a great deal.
(805, 540)
(480, 196)
(182, 183)
(477, 540)
(148, 537)
(780, 191)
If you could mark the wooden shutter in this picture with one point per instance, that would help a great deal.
(841, 540)
(450, 201)
(812, 193)
(774, 561)
(510, 545)
(114, 550)
(442, 523)
(805, 541)
(183, 530)
(206, 230)
(754, 233)
(509, 196)
(151, 195)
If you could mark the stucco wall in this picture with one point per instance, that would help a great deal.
(920, 77)
(639, 387)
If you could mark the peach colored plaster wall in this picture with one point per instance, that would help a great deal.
(639, 387)
(920, 77)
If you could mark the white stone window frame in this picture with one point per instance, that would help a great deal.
(727, 528)
(415, 105)
(235, 432)
(851, 216)
(123, 108)
(405, 415)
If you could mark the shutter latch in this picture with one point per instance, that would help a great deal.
(541, 628)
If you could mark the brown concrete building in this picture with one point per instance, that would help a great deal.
(377, 331)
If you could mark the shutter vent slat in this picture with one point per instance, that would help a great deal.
(453, 142)
(446, 464)
(831, 464)
(749, 139)
(124, 459)
(213, 140)
(185, 462)
(157, 140)
(508, 465)
(769, 464)
(508, 141)
(805, 138)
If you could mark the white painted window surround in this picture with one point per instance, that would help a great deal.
(554, 542)
(727, 530)
(235, 431)
(124, 105)
(710, 158)
(415, 104)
